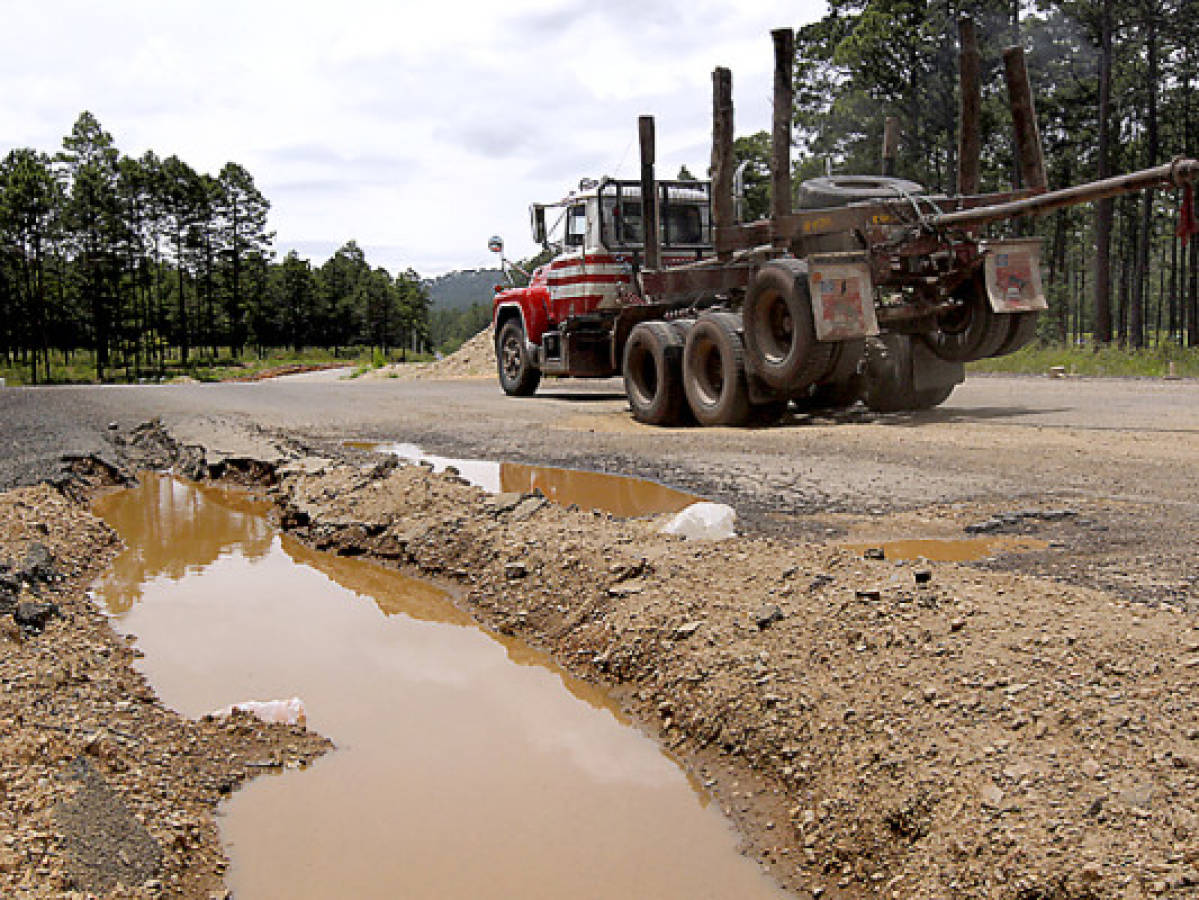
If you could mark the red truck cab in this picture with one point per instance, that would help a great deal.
(564, 321)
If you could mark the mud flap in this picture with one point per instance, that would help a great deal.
(1013, 274)
(842, 296)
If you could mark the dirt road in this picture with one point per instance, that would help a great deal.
(1125, 452)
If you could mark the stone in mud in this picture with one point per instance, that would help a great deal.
(34, 615)
(875, 553)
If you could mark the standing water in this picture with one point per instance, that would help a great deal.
(467, 764)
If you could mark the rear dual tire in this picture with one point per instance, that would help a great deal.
(653, 374)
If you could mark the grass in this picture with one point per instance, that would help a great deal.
(1037, 359)
(223, 367)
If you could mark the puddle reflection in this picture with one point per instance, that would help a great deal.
(620, 495)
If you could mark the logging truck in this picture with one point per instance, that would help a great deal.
(854, 288)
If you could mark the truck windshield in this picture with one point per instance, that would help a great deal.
(682, 213)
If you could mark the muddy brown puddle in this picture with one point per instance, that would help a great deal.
(949, 549)
(621, 495)
(467, 764)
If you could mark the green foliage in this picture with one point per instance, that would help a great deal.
(754, 151)
(154, 268)
(1110, 361)
(869, 59)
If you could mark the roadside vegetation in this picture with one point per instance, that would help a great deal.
(1040, 359)
(143, 268)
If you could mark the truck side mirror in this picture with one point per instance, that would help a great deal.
(537, 217)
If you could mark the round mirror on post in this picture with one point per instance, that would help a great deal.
(495, 244)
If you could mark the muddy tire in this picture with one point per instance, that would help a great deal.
(653, 374)
(518, 376)
(970, 331)
(1021, 331)
(930, 397)
(830, 396)
(763, 415)
(714, 371)
(780, 333)
(841, 190)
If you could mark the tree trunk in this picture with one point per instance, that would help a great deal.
(1104, 208)
(1136, 324)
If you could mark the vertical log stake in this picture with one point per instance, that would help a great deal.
(722, 156)
(890, 145)
(969, 111)
(780, 156)
(649, 194)
(1024, 119)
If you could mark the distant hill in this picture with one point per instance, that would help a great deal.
(461, 289)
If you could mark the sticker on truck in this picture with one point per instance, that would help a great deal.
(842, 297)
(1013, 269)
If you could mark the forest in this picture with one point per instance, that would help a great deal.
(1115, 90)
(150, 267)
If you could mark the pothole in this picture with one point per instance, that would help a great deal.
(947, 549)
(467, 764)
(620, 495)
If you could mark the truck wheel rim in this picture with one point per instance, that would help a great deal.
(512, 362)
(776, 330)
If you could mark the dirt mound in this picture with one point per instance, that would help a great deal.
(474, 359)
(876, 728)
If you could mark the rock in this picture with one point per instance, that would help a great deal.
(923, 576)
(767, 616)
(703, 521)
(687, 629)
(38, 564)
(871, 594)
(504, 502)
(514, 570)
(991, 795)
(528, 507)
(875, 553)
(985, 527)
(957, 624)
(34, 615)
(1091, 873)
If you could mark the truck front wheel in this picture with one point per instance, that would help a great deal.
(518, 377)
(653, 374)
(714, 371)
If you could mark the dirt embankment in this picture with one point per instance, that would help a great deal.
(875, 728)
(103, 790)
(474, 359)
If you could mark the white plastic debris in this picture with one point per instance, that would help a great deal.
(703, 522)
(283, 712)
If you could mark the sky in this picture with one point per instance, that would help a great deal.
(418, 129)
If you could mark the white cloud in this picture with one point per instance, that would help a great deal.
(416, 128)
